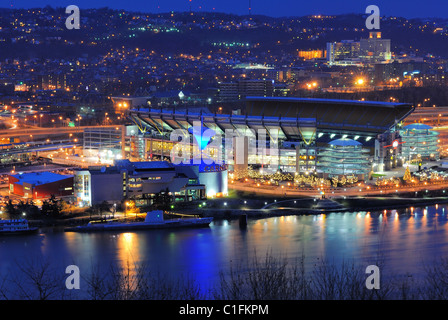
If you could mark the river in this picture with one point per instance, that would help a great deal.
(403, 238)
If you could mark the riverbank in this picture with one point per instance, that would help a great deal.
(259, 208)
(313, 207)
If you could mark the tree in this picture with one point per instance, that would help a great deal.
(162, 200)
(131, 208)
(104, 207)
(28, 208)
(11, 209)
(407, 174)
(52, 207)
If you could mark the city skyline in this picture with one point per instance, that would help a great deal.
(153, 151)
(407, 9)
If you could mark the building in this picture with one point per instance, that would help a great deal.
(311, 54)
(420, 142)
(52, 81)
(343, 157)
(388, 151)
(342, 52)
(233, 91)
(384, 73)
(280, 75)
(286, 133)
(374, 49)
(140, 181)
(104, 144)
(40, 185)
(122, 103)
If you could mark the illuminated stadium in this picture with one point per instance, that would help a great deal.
(304, 131)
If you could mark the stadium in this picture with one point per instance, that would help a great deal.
(322, 136)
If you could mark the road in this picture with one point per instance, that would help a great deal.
(18, 132)
(335, 192)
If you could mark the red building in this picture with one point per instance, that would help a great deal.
(38, 185)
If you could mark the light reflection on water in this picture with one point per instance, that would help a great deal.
(404, 239)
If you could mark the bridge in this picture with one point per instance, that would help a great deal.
(38, 146)
(18, 132)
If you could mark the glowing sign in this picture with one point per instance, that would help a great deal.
(202, 135)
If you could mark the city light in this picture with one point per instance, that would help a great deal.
(144, 120)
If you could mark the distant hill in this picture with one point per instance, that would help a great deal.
(41, 33)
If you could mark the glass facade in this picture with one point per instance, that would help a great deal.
(344, 157)
(420, 142)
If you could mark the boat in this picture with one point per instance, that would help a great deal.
(153, 220)
(15, 226)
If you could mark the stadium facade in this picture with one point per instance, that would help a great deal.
(300, 135)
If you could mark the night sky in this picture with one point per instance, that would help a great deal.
(276, 8)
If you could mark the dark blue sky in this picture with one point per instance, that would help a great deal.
(402, 8)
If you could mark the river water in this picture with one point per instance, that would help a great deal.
(403, 238)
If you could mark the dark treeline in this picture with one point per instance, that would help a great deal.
(267, 278)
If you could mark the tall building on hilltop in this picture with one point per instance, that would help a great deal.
(375, 48)
(346, 50)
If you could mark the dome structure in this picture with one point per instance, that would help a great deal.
(345, 142)
(420, 142)
(417, 126)
(344, 157)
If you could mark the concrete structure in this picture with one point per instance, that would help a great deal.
(344, 51)
(420, 142)
(374, 49)
(104, 143)
(295, 131)
(122, 103)
(39, 185)
(140, 181)
(388, 151)
(233, 91)
(344, 157)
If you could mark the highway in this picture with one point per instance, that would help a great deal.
(16, 133)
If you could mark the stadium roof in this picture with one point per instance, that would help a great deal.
(327, 101)
(351, 116)
(289, 118)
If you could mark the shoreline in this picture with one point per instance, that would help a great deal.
(387, 203)
(351, 205)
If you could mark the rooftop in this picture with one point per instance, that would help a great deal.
(39, 178)
(345, 142)
(327, 101)
(146, 165)
(417, 126)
